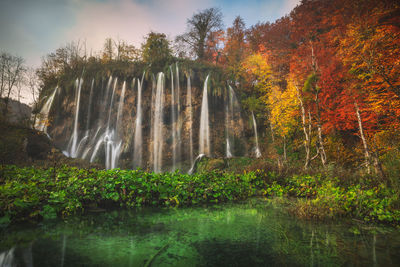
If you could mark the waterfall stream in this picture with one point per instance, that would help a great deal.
(121, 106)
(90, 106)
(73, 151)
(173, 120)
(138, 140)
(257, 149)
(42, 123)
(204, 135)
(190, 120)
(158, 123)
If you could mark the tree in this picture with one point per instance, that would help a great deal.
(33, 87)
(128, 52)
(11, 74)
(108, 50)
(214, 47)
(156, 50)
(68, 57)
(235, 46)
(199, 27)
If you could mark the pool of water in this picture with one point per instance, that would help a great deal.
(254, 233)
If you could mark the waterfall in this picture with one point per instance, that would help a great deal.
(195, 163)
(173, 119)
(204, 142)
(120, 106)
(90, 106)
(42, 123)
(85, 140)
(153, 142)
(158, 124)
(7, 258)
(111, 137)
(112, 140)
(138, 142)
(111, 103)
(228, 117)
(179, 122)
(257, 149)
(233, 121)
(152, 101)
(95, 142)
(107, 92)
(73, 151)
(190, 120)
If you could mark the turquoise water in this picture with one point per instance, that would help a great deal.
(254, 233)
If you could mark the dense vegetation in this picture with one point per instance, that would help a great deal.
(32, 193)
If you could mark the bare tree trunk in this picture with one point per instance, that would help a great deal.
(13, 75)
(362, 136)
(273, 143)
(307, 140)
(321, 149)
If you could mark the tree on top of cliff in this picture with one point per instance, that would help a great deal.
(199, 28)
(156, 50)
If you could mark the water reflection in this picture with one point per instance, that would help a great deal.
(248, 234)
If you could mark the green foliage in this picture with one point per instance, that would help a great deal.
(30, 193)
(328, 199)
(311, 82)
(253, 104)
(156, 50)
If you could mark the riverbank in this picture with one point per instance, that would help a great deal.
(34, 193)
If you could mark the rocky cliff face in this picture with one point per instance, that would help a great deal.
(96, 115)
(18, 113)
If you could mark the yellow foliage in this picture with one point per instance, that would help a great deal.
(283, 106)
(256, 66)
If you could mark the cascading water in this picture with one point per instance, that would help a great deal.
(97, 139)
(153, 97)
(106, 134)
(85, 139)
(179, 122)
(228, 152)
(74, 138)
(257, 149)
(158, 124)
(228, 120)
(111, 104)
(190, 120)
(138, 140)
(90, 106)
(204, 135)
(42, 123)
(121, 106)
(111, 139)
(173, 119)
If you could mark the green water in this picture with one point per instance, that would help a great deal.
(255, 233)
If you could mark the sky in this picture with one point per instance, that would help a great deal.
(34, 28)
